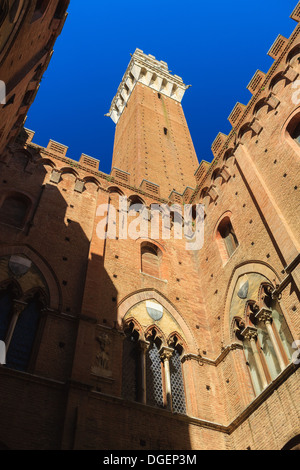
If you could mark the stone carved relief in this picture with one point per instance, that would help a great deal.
(102, 365)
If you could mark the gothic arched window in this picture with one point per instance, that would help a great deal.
(226, 238)
(292, 132)
(18, 326)
(152, 373)
(267, 340)
(151, 257)
(296, 134)
(40, 9)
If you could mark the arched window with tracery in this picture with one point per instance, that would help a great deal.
(152, 368)
(19, 321)
(266, 338)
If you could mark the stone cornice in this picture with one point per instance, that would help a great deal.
(145, 69)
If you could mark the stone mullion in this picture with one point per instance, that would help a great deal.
(142, 386)
(250, 334)
(265, 316)
(18, 308)
(166, 354)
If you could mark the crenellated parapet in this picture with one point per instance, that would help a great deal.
(86, 170)
(150, 72)
(244, 117)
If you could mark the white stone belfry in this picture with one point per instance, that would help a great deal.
(153, 73)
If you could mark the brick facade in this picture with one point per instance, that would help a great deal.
(92, 293)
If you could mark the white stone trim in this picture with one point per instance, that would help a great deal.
(150, 72)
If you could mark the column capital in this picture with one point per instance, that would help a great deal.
(166, 353)
(144, 345)
(18, 307)
(264, 315)
(250, 333)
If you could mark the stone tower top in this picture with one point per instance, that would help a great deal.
(149, 71)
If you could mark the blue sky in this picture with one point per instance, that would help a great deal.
(214, 46)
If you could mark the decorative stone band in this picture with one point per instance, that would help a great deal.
(145, 69)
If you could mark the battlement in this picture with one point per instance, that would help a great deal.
(58, 148)
(90, 162)
(86, 164)
(261, 88)
(149, 71)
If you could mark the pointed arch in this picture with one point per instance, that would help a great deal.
(260, 106)
(244, 130)
(13, 286)
(92, 179)
(228, 154)
(294, 55)
(279, 78)
(148, 294)
(116, 190)
(249, 267)
(46, 162)
(154, 332)
(55, 294)
(69, 170)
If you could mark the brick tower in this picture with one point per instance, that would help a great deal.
(137, 343)
(152, 140)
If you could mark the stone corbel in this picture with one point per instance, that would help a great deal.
(213, 194)
(225, 173)
(272, 101)
(55, 176)
(256, 126)
(79, 186)
(290, 74)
